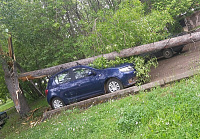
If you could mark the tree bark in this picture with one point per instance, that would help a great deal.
(11, 79)
(16, 93)
(181, 40)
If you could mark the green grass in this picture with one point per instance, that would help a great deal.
(172, 111)
(7, 105)
(15, 124)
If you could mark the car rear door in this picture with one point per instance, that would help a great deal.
(63, 87)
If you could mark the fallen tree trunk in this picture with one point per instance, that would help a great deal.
(181, 40)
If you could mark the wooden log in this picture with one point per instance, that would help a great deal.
(171, 42)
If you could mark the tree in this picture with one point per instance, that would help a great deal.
(126, 27)
(48, 32)
(16, 93)
(178, 9)
(11, 80)
(4, 94)
(181, 40)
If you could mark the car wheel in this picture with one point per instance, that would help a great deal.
(167, 53)
(57, 103)
(113, 85)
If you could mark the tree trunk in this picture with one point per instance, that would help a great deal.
(181, 40)
(11, 79)
(16, 93)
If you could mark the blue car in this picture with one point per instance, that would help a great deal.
(82, 82)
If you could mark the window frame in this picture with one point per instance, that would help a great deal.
(65, 81)
(85, 75)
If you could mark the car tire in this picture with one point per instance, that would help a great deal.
(57, 103)
(113, 85)
(167, 53)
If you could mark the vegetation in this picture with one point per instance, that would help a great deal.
(7, 105)
(169, 112)
(3, 88)
(142, 65)
(47, 33)
(16, 124)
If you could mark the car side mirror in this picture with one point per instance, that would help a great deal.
(90, 73)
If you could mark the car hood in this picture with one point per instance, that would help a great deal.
(122, 65)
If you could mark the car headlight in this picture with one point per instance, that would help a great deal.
(126, 69)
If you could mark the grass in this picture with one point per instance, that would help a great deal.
(15, 124)
(172, 111)
(7, 105)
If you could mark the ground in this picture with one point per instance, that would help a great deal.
(188, 59)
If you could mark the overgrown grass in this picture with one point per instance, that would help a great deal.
(169, 112)
(15, 124)
(7, 105)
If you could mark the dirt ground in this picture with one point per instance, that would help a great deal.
(188, 59)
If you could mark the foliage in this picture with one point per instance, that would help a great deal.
(48, 32)
(4, 94)
(127, 27)
(5, 106)
(141, 64)
(38, 39)
(169, 112)
(143, 67)
(179, 7)
(102, 62)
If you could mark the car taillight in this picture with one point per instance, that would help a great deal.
(46, 92)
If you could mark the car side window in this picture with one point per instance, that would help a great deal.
(81, 72)
(64, 77)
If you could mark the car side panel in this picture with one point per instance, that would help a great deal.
(124, 77)
(60, 91)
(84, 88)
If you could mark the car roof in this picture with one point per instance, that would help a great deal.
(79, 66)
(83, 66)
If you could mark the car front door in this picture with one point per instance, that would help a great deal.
(85, 85)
